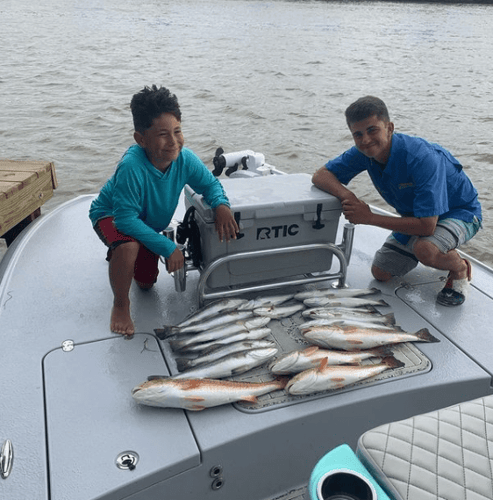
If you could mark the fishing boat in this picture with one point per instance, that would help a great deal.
(69, 426)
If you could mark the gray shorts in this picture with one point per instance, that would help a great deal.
(398, 259)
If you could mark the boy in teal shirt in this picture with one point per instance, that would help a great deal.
(139, 200)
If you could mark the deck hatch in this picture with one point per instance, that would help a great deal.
(92, 419)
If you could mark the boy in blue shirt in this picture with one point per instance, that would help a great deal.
(437, 203)
(137, 203)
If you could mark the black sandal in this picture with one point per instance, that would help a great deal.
(455, 291)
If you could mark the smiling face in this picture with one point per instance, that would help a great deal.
(163, 141)
(373, 138)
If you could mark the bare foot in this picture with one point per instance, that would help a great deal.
(121, 322)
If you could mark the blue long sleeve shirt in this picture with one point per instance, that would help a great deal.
(420, 179)
(143, 199)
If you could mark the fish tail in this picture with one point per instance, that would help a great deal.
(425, 335)
(392, 362)
(383, 303)
(177, 345)
(381, 352)
(167, 331)
(183, 364)
(389, 318)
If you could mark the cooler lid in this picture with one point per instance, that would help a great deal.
(268, 196)
(92, 419)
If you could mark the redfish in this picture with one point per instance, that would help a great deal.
(328, 377)
(350, 338)
(198, 394)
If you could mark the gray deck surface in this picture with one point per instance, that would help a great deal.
(69, 414)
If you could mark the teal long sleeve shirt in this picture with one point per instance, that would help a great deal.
(143, 199)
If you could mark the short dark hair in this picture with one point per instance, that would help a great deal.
(365, 107)
(150, 103)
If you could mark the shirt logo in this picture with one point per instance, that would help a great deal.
(406, 185)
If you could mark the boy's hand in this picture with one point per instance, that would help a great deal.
(225, 223)
(175, 261)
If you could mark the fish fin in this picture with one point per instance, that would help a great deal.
(337, 379)
(381, 352)
(197, 408)
(383, 303)
(249, 399)
(182, 364)
(392, 362)
(176, 345)
(425, 335)
(323, 364)
(157, 377)
(283, 381)
(389, 318)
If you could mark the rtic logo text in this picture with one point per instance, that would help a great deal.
(266, 233)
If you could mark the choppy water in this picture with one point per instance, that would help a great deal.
(271, 76)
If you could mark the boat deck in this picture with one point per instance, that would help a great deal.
(69, 411)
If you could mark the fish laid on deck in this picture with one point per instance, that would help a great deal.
(207, 347)
(358, 323)
(350, 338)
(343, 302)
(231, 365)
(198, 394)
(336, 293)
(264, 301)
(311, 357)
(246, 345)
(213, 309)
(276, 312)
(327, 377)
(228, 329)
(215, 322)
(347, 312)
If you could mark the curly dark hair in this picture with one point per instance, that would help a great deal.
(150, 103)
(365, 107)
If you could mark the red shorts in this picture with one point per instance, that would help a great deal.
(146, 265)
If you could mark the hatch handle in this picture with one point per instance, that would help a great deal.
(318, 224)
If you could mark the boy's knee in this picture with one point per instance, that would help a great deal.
(380, 275)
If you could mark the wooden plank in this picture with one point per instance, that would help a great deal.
(24, 187)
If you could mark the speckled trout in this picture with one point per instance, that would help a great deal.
(328, 377)
(229, 366)
(198, 394)
(311, 357)
(347, 312)
(336, 293)
(251, 323)
(343, 302)
(207, 347)
(213, 309)
(226, 350)
(350, 338)
(215, 322)
(277, 312)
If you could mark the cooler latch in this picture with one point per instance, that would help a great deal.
(237, 216)
(318, 224)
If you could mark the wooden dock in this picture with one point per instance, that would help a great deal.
(24, 187)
